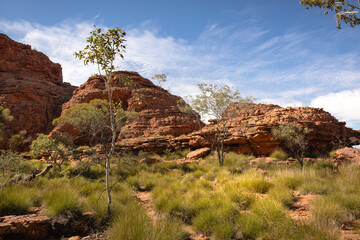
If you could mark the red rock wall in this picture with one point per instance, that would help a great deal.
(158, 114)
(250, 132)
(31, 87)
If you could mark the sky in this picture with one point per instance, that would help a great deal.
(275, 51)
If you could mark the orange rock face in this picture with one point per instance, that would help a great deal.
(158, 114)
(31, 87)
(250, 132)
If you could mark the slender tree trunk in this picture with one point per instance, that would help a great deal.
(108, 190)
(112, 147)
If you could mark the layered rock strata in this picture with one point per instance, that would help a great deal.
(31, 86)
(158, 112)
(250, 132)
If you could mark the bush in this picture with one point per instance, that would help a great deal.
(332, 153)
(279, 154)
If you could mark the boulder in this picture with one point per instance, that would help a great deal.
(31, 87)
(201, 152)
(29, 226)
(347, 155)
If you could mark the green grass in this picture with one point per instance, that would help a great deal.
(63, 202)
(17, 200)
(279, 155)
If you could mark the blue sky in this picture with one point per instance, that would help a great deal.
(276, 51)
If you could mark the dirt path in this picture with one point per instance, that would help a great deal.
(301, 211)
(146, 201)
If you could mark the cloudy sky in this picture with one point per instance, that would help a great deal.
(276, 51)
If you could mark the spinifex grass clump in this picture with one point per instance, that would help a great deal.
(64, 202)
(17, 200)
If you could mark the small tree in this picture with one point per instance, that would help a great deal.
(294, 138)
(215, 102)
(160, 78)
(345, 10)
(10, 161)
(102, 49)
(55, 150)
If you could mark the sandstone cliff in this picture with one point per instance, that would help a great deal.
(251, 132)
(31, 86)
(158, 114)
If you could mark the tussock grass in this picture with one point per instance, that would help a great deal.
(133, 224)
(17, 200)
(279, 154)
(63, 202)
(254, 181)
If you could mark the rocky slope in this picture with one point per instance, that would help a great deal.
(31, 87)
(158, 114)
(251, 132)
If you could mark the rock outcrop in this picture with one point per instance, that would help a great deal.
(250, 132)
(347, 155)
(158, 112)
(31, 87)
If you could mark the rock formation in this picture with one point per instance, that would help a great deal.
(250, 132)
(158, 113)
(31, 87)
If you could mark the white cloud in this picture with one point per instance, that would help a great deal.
(280, 69)
(344, 105)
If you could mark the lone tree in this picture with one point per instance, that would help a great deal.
(160, 78)
(295, 140)
(102, 49)
(346, 11)
(215, 102)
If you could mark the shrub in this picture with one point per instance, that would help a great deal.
(279, 154)
(332, 153)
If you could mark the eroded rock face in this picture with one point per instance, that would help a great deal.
(347, 155)
(31, 86)
(250, 132)
(158, 114)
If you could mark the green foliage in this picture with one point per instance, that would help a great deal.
(279, 154)
(160, 78)
(346, 11)
(16, 142)
(11, 162)
(63, 202)
(294, 138)
(133, 224)
(214, 101)
(103, 47)
(56, 152)
(254, 182)
(5, 115)
(15, 200)
(332, 153)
